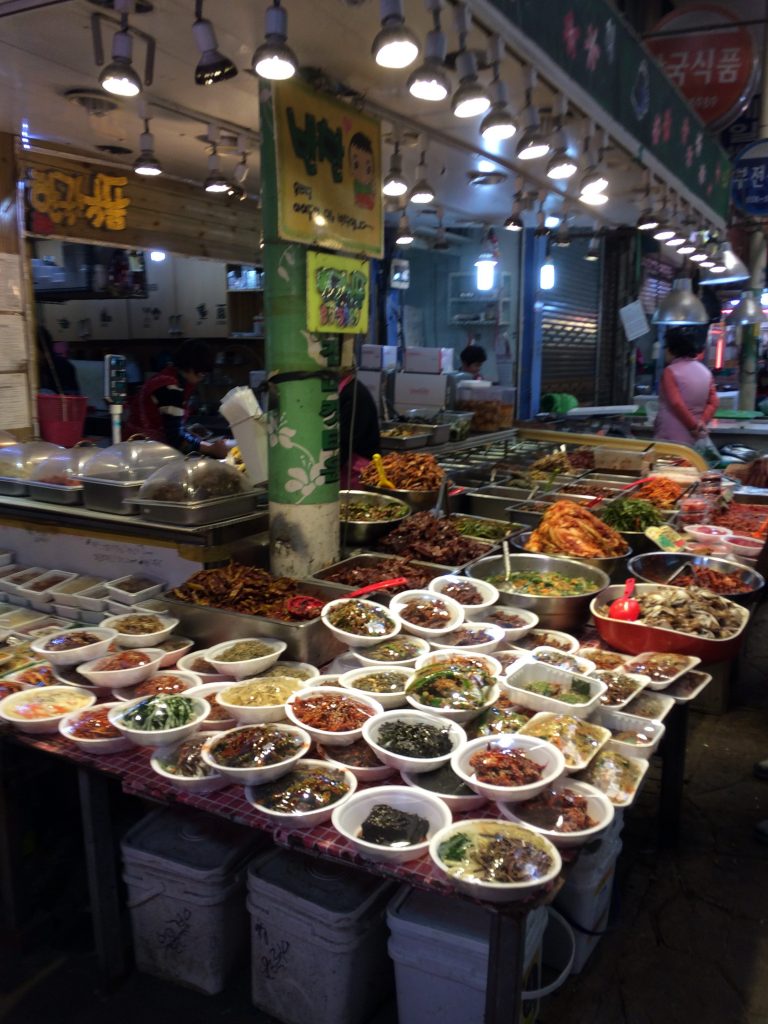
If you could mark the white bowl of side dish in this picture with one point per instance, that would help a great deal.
(452, 850)
(599, 809)
(376, 612)
(400, 603)
(450, 733)
(349, 818)
(488, 594)
(107, 673)
(223, 656)
(515, 622)
(485, 635)
(396, 675)
(199, 711)
(308, 768)
(414, 644)
(328, 695)
(457, 802)
(56, 649)
(175, 647)
(93, 744)
(351, 756)
(141, 629)
(217, 721)
(172, 680)
(546, 757)
(172, 754)
(241, 699)
(297, 744)
(40, 709)
(200, 658)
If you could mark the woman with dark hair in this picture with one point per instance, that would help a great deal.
(687, 396)
(472, 359)
(161, 407)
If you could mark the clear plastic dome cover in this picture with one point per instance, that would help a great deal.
(63, 467)
(17, 461)
(195, 478)
(129, 461)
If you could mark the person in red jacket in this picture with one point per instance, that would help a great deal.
(161, 407)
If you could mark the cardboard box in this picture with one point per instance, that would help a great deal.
(378, 357)
(428, 360)
(421, 390)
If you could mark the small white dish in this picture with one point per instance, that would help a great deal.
(599, 808)
(506, 616)
(543, 753)
(305, 819)
(528, 673)
(217, 721)
(457, 803)
(256, 774)
(491, 665)
(47, 647)
(363, 773)
(706, 534)
(335, 694)
(348, 820)
(99, 745)
(254, 714)
(181, 645)
(570, 662)
(187, 784)
(399, 605)
(646, 734)
(117, 678)
(487, 591)
(194, 661)
(115, 589)
(413, 643)
(149, 639)
(402, 762)
(41, 708)
(159, 737)
(542, 637)
(246, 667)
(356, 640)
(488, 638)
(170, 681)
(388, 699)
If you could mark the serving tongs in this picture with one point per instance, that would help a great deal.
(438, 511)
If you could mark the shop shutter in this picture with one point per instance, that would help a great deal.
(569, 324)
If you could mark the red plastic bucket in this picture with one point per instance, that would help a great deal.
(61, 418)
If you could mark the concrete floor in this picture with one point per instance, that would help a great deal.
(688, 941)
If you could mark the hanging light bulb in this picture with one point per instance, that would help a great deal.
(422, 192)
(533, 145)
(395, 46)
(593, 198)
(688, 247)
(240, 172)
(394, 183)
(663, 233)
(681, 306)
(678, 238)
(647, 221)
(430, 81)
(147, 163)
(592, 255)
(562, 238)
(699, 257)
(733, 269)
(547, 274)
(562, 165)
(404, 233)
(119, 77)
(215, 182)
(515, 221)
(485, 272)
(274, 59)
(470, 99)
(541, 230)
(498, 124)
(213, 66)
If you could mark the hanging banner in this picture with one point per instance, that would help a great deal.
(749, 183)
(328, 171)
(338, 294)
(710, 58)
(59, 199)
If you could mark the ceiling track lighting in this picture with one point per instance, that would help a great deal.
(498, 124)
(647, 221)
(562, 165)
(274, 59)
(422, 192)
(593, 198)
(395, 45)
(515, 220)
(404, 233)
(533, 144)
(541, 230)
(216, 183)
(394, 183)
(592, 255)
(147, 163)
(688, 248)
(430, 81)
(213, 66)
(470, 98)
(119, 77)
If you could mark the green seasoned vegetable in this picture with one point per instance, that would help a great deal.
(631, 515)
(440, 686)
(160, 712)
(415, 739)
(359, 512)
(579, 692)
(482, 529)
(453, 849)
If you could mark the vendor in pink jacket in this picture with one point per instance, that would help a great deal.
(687, 396)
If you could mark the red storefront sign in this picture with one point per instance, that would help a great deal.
(715, 68)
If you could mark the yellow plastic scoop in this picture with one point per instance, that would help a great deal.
(384, 480)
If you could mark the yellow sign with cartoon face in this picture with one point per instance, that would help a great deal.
(328, 171)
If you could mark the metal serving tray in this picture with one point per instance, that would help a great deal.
(56, 494)
(369, 559)
(528, 516)
(199, 513)
(510, 528)
(401, 444)
(14, 487)
(116, 497)
(493, 502)
(306, 641)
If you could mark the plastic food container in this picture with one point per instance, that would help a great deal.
(528, 672)
(131, 590)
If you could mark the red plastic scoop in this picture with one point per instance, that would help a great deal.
(626, 606)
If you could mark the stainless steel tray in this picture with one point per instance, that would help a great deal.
(368, 559)
(56, 494)
(509, 528)
(441, 433)
(13, 487)
(199, 513)
(529, 516)
(306, 641)
(116, 497)
(492, 502)
(401, 444)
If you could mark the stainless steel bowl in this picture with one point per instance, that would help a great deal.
(554, 612)
(356, 532)
(659, 566)
(417, 501)
(608, 565)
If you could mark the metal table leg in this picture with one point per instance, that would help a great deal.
(9, 850)
(506, 954)
(672, 750)
(103, 875)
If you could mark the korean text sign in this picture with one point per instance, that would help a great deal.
(328, 172)
(749, 183)
(338, 294)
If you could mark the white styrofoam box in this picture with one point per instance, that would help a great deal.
(378, 357)
(440, 951)
(585, 898)
(318, 940)
(185, 874)
(428, 360)
(421, 390)
(596, 921)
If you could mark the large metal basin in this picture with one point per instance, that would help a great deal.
(554, 612)
(361, 533)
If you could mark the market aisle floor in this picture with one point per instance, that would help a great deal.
(690, 940)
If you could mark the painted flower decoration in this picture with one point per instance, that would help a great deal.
(303, 482)
(685, 130)
(702, 173)
(571, 34)
(699, 143)
(656, 130)
(282, 436)
(689, 156)
(592, 48)
(610, 39)
(718, 173)
(666, 125)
